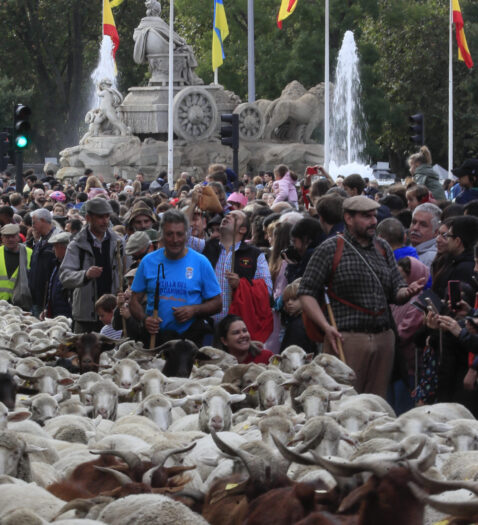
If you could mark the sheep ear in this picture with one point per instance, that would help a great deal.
(309, 357)
(66, 381)
(26, 402)
(19, 415)
(440, 427)
(290, 383)
(251, 389)
(178, 402)
(200, 356)
(392, 426)
(236, 398)
(275, 359)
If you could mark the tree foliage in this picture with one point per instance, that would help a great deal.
(50, 47)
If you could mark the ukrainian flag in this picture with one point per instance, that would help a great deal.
(220, 31)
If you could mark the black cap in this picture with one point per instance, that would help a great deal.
(469, 167)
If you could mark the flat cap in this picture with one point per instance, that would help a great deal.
(152, 234)
(97, 206)
(360, 203)
(60, 238)
(10, 229)
(140, 208)
(138, 242)
(131, 273)
(469, 167)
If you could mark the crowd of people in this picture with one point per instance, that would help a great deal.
(383, 277)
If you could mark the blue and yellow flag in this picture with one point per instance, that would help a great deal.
(220, 31)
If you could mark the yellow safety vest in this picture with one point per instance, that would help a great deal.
(7, 284)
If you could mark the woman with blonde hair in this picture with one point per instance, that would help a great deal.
(92, 182)
(423, 173)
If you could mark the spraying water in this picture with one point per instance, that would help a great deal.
(347, 142)
(105, 69)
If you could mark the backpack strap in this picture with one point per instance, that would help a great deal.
(335, 263)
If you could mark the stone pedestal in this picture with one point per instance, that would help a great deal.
(145, 109)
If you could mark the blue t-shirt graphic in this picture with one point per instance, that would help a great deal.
(187, 281)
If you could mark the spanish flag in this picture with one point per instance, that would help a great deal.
(109, 26)
(463, 51)
(287, 7)
(220, 30)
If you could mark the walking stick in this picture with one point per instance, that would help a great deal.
(119, 262)
(156, 304)
(233, 256)
(334, 324)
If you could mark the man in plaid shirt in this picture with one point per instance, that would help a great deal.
(363, 283)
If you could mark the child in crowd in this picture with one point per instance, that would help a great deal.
(292, 320)
(105, 307)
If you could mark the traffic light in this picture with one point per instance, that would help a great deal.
(21, 126)
(230, 133)
(4, 149)
(417, 128)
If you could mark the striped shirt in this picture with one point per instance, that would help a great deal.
(224, 265)
(110, 332)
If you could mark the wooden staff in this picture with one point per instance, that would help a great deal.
(233, 256)
(119, 262)
(334, 324)
(156, 305)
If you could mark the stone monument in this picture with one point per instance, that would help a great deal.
(126, 135)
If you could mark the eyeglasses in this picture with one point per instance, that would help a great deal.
(446, 235)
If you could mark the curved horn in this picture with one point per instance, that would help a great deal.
(130, 458)
(436, 485)
(44, 349)
(348, 468)
(105, 339)
(291, 455)
(460, 508)
(24, 376)
(256, 467)
(82, 506)
(414, 453)
(14, 351)
(120, 477)
(161, 457)
(315, 441)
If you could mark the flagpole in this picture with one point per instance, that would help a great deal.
(170, 97)
(327, 91)
(450, 92)
(216, 76)
(251, 77)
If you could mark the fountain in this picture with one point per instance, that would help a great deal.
(127, 134)
(347, 127)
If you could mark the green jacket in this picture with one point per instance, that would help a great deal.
(426, 176)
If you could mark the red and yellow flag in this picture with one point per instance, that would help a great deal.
(463, 51)
(109, 26)
(287, 7)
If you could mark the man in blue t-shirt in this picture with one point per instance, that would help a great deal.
(188, 288)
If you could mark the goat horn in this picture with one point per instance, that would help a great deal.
(82, 506)
(194, 494)
(291, 455)
(256, 467)
(161, 457)
(14, 351)
(24, 376)
(414, 453)
(44, 349)
(462, 509)
(436, 485)
(130, 458)
(121, 478)
(314, 442)
(348, 468)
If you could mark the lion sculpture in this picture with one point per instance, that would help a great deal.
(295, 115)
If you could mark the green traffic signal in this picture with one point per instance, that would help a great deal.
(21, 126)
(21, 141)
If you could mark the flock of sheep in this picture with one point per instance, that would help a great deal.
(288, 443)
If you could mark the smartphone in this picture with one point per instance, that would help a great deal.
(312, 170)
(430, 306)
(454, 293)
